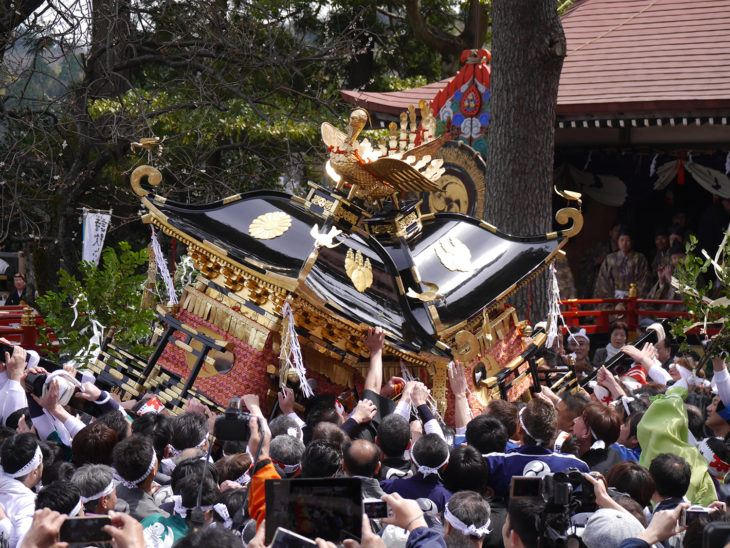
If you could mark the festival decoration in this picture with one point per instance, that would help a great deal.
(273, 273)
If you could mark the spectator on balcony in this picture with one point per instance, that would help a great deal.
(22, 292)
(591, 263)
(661, 247)
(618, 335)
(621, 269)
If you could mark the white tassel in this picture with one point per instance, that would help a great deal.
(727, 163)
(431, 402)
(162, 268)
(554, 313)
(291, 352)
(652, 167)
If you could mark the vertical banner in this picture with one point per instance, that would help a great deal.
(95, 226)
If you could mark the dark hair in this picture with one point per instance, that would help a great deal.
(603, 422)
(523, 519)
(467, 471)
(671, 474)
(282, 424)
(191, 468)
(695, 422)
(17, 451)
(574, 402)
(13, 418)
(157, 427)
(5, 433)
(506, 412)
(331, 432)
(541, 419)
(394, 435)
(232, 447)
(430, 450)
(93, 444)
(633, 479)
(61, 496)
(219, 537)
(232, 467)
(321, 459)
(618, 324)
(486, 434)
(361, 458)
(189, 486)
(322, 409)
(634, 423)
(116, 420)
(58, 471)
(189, 430)
(132, 457)
(470, 508)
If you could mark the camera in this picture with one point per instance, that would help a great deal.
(85, 530)
(375, 509)
(693, 513)
(233, 425)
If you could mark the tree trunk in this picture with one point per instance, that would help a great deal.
(528, 47)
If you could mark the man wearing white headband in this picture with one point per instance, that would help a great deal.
(22, 461)
(467, 515)
(430, 456)
(98, 489)
(135, 461)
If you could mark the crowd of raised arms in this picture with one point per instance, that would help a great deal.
(641, 453)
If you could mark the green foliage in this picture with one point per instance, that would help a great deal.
(705, 301)
(110, 295)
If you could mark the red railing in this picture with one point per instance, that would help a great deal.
(20, 324)
(596, 315)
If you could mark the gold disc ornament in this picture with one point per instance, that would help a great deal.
(269, 225)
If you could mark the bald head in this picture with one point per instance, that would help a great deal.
(361, 458)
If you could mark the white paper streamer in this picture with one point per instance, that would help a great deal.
(162, 269)
(291, 352)
(652, 167)
(727, 164)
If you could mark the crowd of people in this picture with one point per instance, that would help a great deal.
(639, 453)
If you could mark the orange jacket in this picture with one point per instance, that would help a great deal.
(257, 489)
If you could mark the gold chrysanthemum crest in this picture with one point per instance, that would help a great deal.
(269, 225)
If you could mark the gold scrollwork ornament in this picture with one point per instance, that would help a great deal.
(453, 254)
(358, 270)
(269, 225)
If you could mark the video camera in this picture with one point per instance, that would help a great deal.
(564, 494)
(233, 425)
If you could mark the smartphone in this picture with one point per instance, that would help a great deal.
(284, 538)
(375, 509)
(693, 513)
(85, 529)
(524, 487)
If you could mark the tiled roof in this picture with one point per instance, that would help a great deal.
(646, 54)
(641, 57)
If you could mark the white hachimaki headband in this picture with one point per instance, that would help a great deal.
(580, 333)
(103, 493)
(718, 468)
(244, 479)
(79, 506)
(465, 529)
(598, 444)
(182, 510)
(427, 470)
(560, 440)
(175, 452)
(222, 510)
(133, 484)
(30, 466)
(288, 468)
(538, 441)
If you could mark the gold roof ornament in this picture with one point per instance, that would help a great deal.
(269, 225)
(382, 172)
(358, 270)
